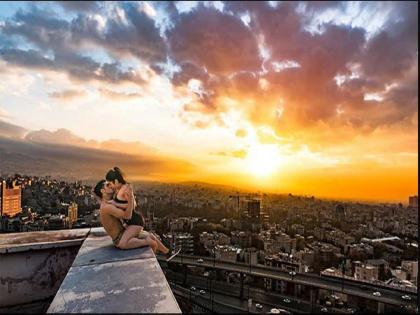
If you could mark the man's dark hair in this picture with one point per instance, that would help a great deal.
(114, 174)
(98, 187)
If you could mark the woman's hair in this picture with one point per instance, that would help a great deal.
(98, 187)
(114, 174)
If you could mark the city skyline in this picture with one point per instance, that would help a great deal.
(307, 98)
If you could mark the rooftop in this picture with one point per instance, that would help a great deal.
(97, 278)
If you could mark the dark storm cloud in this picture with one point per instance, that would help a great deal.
(79, 6)
(392, 51)
(134, 34)
(220, 43)
(38, 27)
(76, 66)
(309, 91)
(225, 55)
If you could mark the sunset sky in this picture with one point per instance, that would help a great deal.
(316, 98)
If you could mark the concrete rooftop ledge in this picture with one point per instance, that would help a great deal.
(104, 279)
(28, 241)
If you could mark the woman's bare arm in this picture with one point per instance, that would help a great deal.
(129, 195)
(117, 204)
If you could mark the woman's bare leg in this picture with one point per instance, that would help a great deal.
(153, 244)
(160, 246)
(131, 232)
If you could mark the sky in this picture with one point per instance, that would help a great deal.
(316, 98)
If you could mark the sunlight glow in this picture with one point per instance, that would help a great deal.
(263, 159)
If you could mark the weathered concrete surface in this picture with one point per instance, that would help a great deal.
(33, 275)
(33, 264)
(16, 242)
(104, 279)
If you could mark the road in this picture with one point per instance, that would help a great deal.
(388, 295)
(267, 299)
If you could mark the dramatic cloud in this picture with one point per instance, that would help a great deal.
(79, 6)
(78, 67)
(312, 78)
(113, 95)
(67, 94)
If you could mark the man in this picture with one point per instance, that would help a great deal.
(111, 218)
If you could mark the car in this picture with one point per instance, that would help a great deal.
(286, 300)
(327, 303)
(406, 297)
(292, 273)
(193, 289)
(324, 310)
(340, 304)
(275, 311)
(199, 260)
(202, 292)
(206, 274)
(259, 306)
(351, 310)
(376, 293)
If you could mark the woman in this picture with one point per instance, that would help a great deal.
(111, 217)
(133, 226)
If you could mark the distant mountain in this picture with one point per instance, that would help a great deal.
(76, 162)
(66, 137)
(60, 136)
(10, 130)
(209, 185)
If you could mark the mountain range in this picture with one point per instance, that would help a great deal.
(62, 154)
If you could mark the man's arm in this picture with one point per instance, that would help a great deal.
(117, 204)
(115, 212)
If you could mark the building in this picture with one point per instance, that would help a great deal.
(183, 241)
(411, 268)
(209, 240)
(340, 212)
(366, 272)
(57, 222)
(254, 209)
(72, 214)
(10, 198)
(226, 252)
(413, 201)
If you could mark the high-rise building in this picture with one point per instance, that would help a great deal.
(413, 201)
(10, 198)
(72, 214)
(254, 208)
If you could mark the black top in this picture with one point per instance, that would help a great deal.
(136, 218)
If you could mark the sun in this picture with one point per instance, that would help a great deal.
(263, 159)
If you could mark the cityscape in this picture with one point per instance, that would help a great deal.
(183, 157)
(373, 244)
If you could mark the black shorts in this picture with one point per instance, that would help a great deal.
(136, 219)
